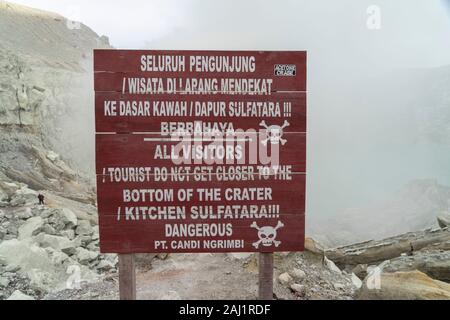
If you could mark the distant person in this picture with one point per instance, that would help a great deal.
(41, 199)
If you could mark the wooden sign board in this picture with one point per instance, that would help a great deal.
(200, 151)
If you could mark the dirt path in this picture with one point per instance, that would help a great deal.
(180, 276)
(219, 277)
(197, 276)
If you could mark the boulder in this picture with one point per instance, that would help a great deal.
(93, 246)
(2, 261)
(31, 227)
(12, 268)
(444, 219)
(23, 213)
(25, 254)
(85, 256)
(331, 266)
(69, 234)
(48, 229)
(58, 243)
(375, 252)
(68, 218)
(18, 295)
(285, 279)
(313, 246)
(434, 263)
(84, 228)
(298, 288)
(297, 274)
(104, 265)
(411, 285)
(4, 282)
(7, 190)
(360, 270)
(23, 196)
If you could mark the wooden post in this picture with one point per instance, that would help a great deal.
(127, 277)
(265, 276)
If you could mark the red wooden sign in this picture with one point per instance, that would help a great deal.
(200, 151)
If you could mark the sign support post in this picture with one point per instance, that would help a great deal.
(265, 285)
(127, 277)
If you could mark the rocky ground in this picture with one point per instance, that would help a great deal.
(46, 247)
(224, 276)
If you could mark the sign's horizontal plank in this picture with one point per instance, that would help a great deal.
(241, 236)
(256, 194)
(184, 86)
(251, 64)
(144, 150)
(116, 112)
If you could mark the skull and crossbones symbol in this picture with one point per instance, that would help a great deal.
(267, 235)
(274, 133)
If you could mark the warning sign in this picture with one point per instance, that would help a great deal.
(200, 151)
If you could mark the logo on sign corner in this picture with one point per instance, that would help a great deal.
(285, 70)
(267, 235)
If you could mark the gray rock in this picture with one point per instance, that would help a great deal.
(331, 266)
(444, 220)
(23, 213)
(93, 246)
(434, 263)
(4, 282)
(298, 288)
(2, 261)
(84, 240)
(12, 268)
(69, 234)
(31, 227)
(85, 256)
(84, 228)
(48, 229)
(360, 270)
(104, 265)
(57, 223)
(58, 243)
(285, 279)
(43, 212)
(57, 257)
(411, 285)
(68, 218)
(297, 274)
(24, 196)
(18, 295)
(113, 258)
(96, 235)
(25, 254)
